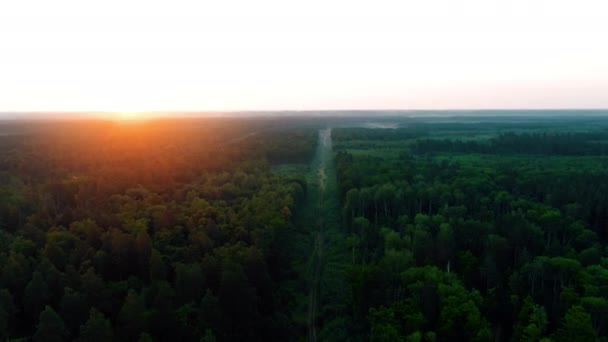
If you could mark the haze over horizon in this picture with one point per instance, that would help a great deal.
(362, 113)
(313, 55)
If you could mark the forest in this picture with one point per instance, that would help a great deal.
(300, 228)
(164, 231)
(468, 238)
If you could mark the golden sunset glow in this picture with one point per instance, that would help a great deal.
(129, 116)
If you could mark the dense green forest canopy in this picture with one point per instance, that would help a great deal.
(295, 228)
(465, 236)
(162, 230)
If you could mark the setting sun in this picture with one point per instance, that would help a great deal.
(129, 116)
(309, 170)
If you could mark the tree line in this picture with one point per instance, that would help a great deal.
(532, 143)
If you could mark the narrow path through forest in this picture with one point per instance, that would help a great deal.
(323, 157)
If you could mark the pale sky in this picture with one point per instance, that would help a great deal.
(270, 55)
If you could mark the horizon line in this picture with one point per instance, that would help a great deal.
(301, 110)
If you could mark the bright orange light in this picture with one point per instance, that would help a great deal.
(130, 116)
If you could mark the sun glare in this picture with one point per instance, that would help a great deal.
(130, 116)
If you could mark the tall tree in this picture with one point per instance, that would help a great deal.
(7, 309)
(132, 318)
(143, 248)
(188, 282)
(576, 327)
(73, 309)
(36, 295)
(50, 327)
(157, 267)
(96, 329)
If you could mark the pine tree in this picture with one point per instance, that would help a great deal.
(36, 295)
(96, 329)
(50, 327)
(576, 327)
(7, 308)
(132, 317)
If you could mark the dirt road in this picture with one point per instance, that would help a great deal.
(324, 153)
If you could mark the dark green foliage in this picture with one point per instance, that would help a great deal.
(180, 231)
(492, 244)
(35, 296)
(132, 317)
(286, 146)
(96, 329)
(172, 231)
(7, 309)
(188, 282)
(576, 327)
(50, 327)
(73, 309)
(534, 143)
